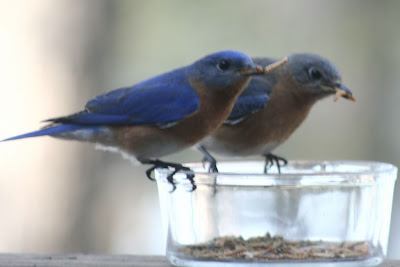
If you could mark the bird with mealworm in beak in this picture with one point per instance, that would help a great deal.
(272, 107)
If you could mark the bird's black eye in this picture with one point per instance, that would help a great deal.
(315, 74)
(223, 65)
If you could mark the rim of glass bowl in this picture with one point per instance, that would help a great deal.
(364, 173)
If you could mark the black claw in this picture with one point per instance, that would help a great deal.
(190, 178)
(208, 158)
(271, 159)
(149, 173)
(170, 178)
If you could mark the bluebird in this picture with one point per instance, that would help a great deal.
(272, 107)
(161, 115)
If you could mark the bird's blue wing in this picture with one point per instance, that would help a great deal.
(164, 99)
(253, 99)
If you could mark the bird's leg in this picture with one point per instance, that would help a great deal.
(270, 159)
(176, 168)
(208, 158)
(212, 167)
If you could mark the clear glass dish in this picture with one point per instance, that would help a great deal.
(321, 213)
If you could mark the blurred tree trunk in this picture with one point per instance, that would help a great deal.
(88, 33)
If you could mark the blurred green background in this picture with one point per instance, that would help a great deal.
(65, 197)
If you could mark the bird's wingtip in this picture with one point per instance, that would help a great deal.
(18, 137)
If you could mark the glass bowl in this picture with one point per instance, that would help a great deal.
(321, 213)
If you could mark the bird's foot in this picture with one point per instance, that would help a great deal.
(212, 167)
(176, 167)
(208, 159)
(271, 159)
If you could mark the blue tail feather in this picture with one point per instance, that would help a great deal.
(59, 129)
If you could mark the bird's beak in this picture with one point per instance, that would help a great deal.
(341, 91)
(251, 70)
(257, 69)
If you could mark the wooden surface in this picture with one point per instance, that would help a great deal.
(81, 260)
(75, 260)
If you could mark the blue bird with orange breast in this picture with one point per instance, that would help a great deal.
(161, 115)
(272, 107)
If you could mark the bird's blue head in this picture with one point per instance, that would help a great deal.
(316, 75)
(225, 70)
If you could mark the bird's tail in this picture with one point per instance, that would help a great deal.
(51, 130)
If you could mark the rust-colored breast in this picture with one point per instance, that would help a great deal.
(286, 109)
(153, 141)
